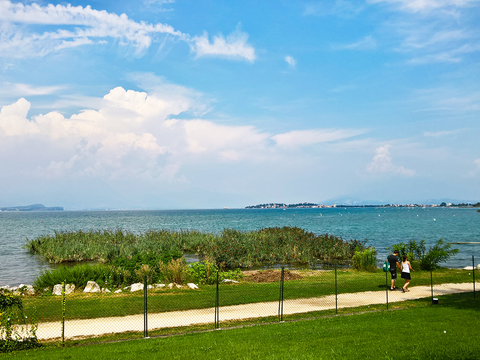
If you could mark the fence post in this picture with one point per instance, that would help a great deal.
(431, 281)
(473, 264)
(63, 312)
(217, 307)
(386, 286)
(280, 300)
(145, 307)
(336, 297)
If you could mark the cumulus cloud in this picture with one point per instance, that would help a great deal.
(382, 163)
(234, 46)
(135, 134)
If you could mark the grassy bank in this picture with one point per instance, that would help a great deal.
(444, 331)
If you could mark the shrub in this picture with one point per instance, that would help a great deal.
(104, 275)
(366, 260)
(437, 254)
(206, 273)
(176, 271)
(203, 272)
(428, 260)
(15, 332)
(413, 250)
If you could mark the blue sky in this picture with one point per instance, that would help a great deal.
(203, 104)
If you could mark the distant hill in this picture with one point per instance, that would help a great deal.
(34, 207)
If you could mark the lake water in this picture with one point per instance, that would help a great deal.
(381, 228)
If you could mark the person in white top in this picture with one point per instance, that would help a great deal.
(406, 268)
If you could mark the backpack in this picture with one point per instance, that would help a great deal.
(386, 266)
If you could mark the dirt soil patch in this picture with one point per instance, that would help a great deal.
(270, 276)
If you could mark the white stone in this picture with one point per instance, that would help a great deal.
(126, 288)
(178, 286)
(170, 286)
(192, 286)
(229, 281)
(6, 287)
(478, 266)
(27, 289)
(69, 288)
(159, 285)
(92, 287)
(105, 291)
(117, 291)
(149, 286)
(468, 268)
(57, 290)
(136, 287)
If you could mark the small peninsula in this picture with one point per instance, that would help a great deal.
(34, 207)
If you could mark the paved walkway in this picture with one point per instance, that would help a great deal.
(99, 326)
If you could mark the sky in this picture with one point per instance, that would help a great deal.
(176, 104)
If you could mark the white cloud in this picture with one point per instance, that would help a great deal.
(477, 162)
(234, 46)
(382, 163)
(367, 43)
(135, 134)
(425, 5)
(20, 89)
(440, 133)
(298, 138)
(18, 41)
(290, 61)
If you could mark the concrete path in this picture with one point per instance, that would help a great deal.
(99, 326)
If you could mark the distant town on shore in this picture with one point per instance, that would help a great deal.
(312, 205)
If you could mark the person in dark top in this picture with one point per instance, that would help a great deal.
(393, 260)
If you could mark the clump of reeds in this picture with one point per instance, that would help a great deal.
(161, 250)
(176, 271)
(234, 248)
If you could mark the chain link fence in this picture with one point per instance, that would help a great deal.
(146, 309)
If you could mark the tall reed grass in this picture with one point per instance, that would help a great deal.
(229, 249)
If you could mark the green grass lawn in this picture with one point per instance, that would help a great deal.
(84, 306)
(448, 330)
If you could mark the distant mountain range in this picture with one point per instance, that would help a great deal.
(34, 207)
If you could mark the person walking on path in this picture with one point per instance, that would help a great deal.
(393, 260)
(406, 268)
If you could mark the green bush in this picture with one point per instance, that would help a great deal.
(206, 273)
(426, 260)
(413, 250)
(104, 275)
(437, 254)
(15, 332)
(366, 260)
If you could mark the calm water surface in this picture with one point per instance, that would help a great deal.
(380, 227)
